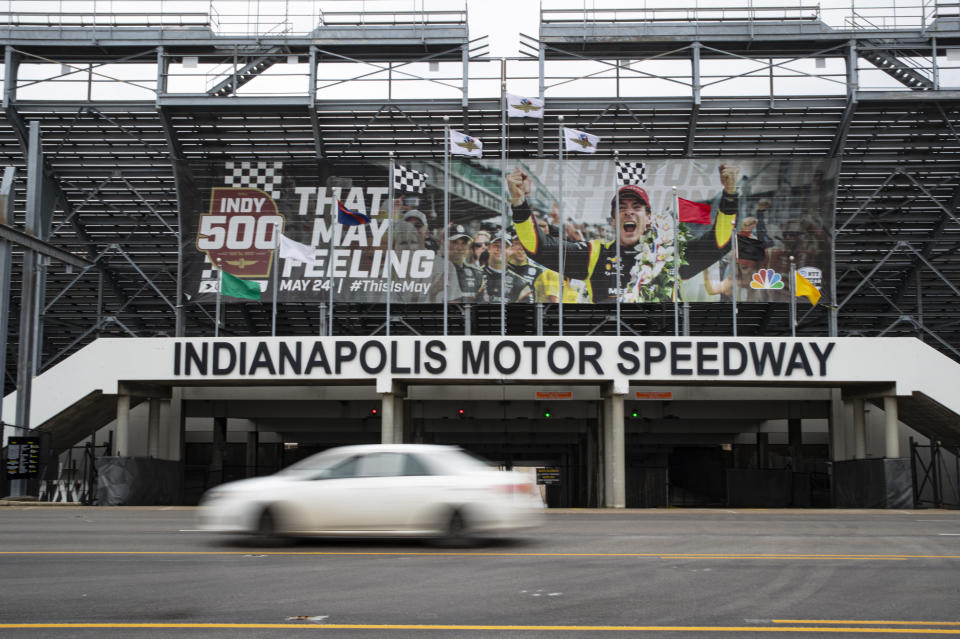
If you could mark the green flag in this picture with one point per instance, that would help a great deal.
(235, 287)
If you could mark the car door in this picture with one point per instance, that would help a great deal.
(390, 488)
(361, 494)
(325, 500)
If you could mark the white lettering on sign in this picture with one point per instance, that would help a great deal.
(242, 204)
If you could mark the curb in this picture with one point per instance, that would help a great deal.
(6, 501)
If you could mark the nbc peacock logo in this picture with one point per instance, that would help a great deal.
(766, 278)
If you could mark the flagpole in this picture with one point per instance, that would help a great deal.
(216, 328)
(503, 192)
(733, 278)
(676, 262)
(560, 141)
(616, 234)
(276, 263)
(390, 239)
(446, 214)
(793, 298)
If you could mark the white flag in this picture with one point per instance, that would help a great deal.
(579, 141)
(461, 144)
(292, 250)
(521, 107)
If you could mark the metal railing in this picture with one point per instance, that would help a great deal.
(104, 13)
(233, 17)
(668, 13)
(841, 14)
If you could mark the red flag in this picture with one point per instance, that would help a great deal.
(696, 212)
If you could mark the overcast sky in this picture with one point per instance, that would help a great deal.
(503, 21)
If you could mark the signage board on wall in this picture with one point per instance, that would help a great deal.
(548, 476)
(477, 357)
(23, 457)
(368, 235)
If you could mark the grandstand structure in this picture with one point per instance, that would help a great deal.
(117, 105)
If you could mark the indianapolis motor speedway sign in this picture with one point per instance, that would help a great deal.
(472, 358)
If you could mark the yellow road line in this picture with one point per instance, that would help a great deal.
(422, 627)
(866, 622)
(352, 553)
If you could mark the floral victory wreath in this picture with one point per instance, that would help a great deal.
(651, 278)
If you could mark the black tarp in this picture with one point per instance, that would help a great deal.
(138, 481)
(873, 483)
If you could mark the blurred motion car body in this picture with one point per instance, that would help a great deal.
(412, 490)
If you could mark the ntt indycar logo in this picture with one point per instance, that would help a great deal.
(472, 358)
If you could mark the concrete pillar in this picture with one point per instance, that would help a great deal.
(153, 428)
(253, 441)
(391, 413)
(859, 430)
(891, 430)
(614, 454)
(122, 440)
(606, 461)
(388, 420)
(619, 454)
(398, 419)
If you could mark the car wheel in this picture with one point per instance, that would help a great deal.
(268, 531)
(456, 533)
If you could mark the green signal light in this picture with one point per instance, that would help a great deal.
(546, 413)
(635, 414)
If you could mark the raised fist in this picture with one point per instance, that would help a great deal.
(729, 177)
(520, 185)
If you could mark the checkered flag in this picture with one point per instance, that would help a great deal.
(408, 180)
(258, 175)
(631, 173)
(208, 276)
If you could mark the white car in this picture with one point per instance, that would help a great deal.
(414, 490)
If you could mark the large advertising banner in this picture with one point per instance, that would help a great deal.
(591, 231)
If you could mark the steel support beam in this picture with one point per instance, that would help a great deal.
(10, 234)
(695, 108)
(6, 263)
(26, 362)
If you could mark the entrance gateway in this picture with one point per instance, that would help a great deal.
(619, 421)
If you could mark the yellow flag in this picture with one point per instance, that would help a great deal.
(805, 288)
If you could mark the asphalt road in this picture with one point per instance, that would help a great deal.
(145, 572)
